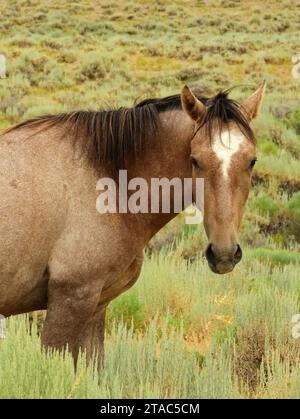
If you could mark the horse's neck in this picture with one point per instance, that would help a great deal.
(168, 157)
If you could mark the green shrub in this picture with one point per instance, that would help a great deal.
(294, 121)
(266, 205)
(95, 66)
(91, 71)
(267, 146)
(34, 66)
(128, 309)
(280, 256)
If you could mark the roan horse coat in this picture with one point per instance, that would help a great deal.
(59, 254)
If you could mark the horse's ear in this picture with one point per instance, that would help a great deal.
(192, 106)
(250, 107)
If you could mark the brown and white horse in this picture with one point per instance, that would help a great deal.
(58, 253)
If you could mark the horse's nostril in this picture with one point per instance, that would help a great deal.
(210, 256)
(238, 254)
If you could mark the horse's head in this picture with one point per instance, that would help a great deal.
(223, 153)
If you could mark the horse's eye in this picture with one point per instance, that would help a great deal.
(194, 163)
(252, 164)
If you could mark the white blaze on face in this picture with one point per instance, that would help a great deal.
(225, 145)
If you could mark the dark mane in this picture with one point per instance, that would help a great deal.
(118, 136)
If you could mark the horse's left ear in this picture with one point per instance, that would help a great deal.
(250, 107)
(192, 105)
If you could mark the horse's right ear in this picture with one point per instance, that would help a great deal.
(192, 106)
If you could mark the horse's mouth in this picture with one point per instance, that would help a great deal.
(222, 268)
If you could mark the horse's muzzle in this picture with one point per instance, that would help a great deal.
(223, 261)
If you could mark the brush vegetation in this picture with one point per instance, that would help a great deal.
(180, 332)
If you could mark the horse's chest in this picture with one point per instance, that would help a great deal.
(123, 281)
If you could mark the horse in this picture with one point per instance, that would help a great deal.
(58, 253)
